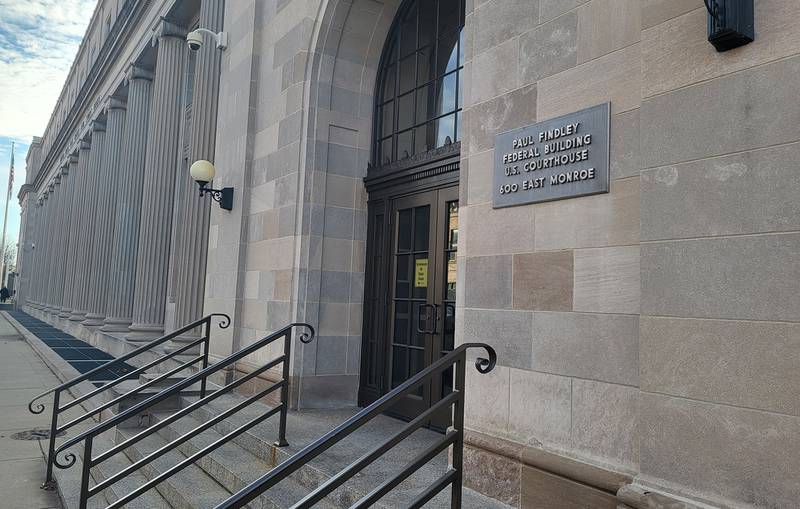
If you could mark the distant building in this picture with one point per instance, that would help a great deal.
(586, 185)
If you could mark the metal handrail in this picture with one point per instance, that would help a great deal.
(55, 429)
(455, 437)
(88, 436)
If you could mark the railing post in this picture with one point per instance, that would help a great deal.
(206, 348)
(48, 479)
(287, 350)
(86, 472)
(458, 425)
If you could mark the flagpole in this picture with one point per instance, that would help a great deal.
(5, 214)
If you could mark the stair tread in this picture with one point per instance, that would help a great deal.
(69, 481)
(306, 426)
(149, 499)
(130, 385)
(241, 464)
(191, 487)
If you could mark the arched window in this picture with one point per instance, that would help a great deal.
(418, 105)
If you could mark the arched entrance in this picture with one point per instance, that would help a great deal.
(396, 135)
(412, 184)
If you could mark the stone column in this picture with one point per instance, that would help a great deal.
(83, 267)
(23, 254)
(119, 309)
(62, 284)
(161, 163)
(41, 219)
(191, 266)
(33, 230)
(65, 203)
(47, 245)
(54, 251)
(71, 280)
(107, 178)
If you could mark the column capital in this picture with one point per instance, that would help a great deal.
(84, 145)
(137, 72)
(73, 159)
(168, 28)
(115, 103)
(98, 127)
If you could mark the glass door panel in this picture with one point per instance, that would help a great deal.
(411, 297)
(423, 295)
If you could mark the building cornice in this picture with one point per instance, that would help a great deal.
(129, 17)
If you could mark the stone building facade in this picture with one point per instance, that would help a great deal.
(648, 337)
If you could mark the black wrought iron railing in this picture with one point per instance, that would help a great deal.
(454, 437)
(91, 460)
(190, 348)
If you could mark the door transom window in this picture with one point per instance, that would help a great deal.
(419, 98)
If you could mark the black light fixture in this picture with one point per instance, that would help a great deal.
(730, 23)
(203, 172)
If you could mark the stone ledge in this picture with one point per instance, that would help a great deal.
(589, 484)
(639, 497)
(575, 470)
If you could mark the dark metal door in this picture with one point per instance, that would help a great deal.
(422, 278)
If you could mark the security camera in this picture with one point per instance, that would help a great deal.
(194, 40)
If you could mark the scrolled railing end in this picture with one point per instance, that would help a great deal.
(225, 322)
(39, 407)
(484, 365)
(306, 337)
(69, 458)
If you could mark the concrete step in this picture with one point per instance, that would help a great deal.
(69, 481)
(170, 404)
(260, 442)
(149, 499)
(190, 488)
(303, 427)
(169, 381)
(234, 467)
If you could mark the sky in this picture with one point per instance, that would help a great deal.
(38, 42)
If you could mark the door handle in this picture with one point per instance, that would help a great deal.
(431, 315)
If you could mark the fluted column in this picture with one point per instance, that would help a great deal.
(33, 230)
(68, 184)
(41, 219)
(88, 223)
(107, 178)
(64, 201)
(119, 310)
(161, 163)
(23, 255)
(47, 245)
(191, 266)
(54, 241)
(74, 251)
(33, 276)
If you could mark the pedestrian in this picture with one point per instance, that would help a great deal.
(3, 294)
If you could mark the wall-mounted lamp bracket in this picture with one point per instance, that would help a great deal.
(222, 196)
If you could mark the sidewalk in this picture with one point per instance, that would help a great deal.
(22, 376)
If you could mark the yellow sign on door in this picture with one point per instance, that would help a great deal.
(421, 273)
